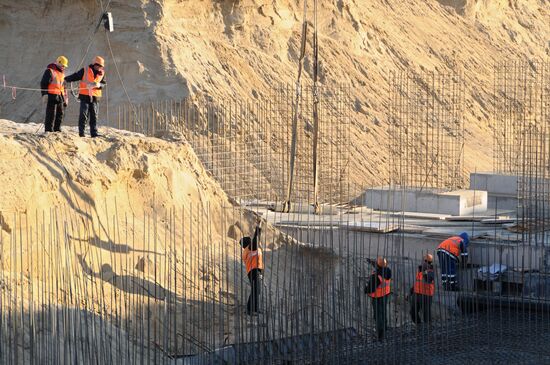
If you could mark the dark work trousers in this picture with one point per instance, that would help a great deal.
(380, 311)
(421, 304)
(88, 112)
(449, 264)
(54, 111)
(253, 304)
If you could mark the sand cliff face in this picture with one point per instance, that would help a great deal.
(238, 49)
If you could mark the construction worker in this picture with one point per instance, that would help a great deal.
(449, 252)
(54, 94)
(379, 289)
(423, 291)
(253, 260)
(92, 81)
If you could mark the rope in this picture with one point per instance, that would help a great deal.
(286, 205)
(120, 78)
(315, 112)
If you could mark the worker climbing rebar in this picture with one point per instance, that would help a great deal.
(253, 259)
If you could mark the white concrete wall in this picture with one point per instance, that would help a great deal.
(494, 183)
(460, 202)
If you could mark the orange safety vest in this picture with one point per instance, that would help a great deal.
(87, 85)
(451, 245)
(423, 288)
(253, 259)
(55, 86)
(383, 289)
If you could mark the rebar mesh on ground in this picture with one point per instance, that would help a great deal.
(426, 129)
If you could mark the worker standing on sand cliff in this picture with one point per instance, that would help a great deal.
(92, 80)
(253, 260)
(423, 291)
(379, 289)
(54, 94)
(449, 252)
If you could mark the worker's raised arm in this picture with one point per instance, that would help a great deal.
(77, 76)
(372, 284)
(256, 238)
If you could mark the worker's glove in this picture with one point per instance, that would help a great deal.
(45, 99)
(65, 104)
(98, 86)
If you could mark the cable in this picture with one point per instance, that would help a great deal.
(120, 77)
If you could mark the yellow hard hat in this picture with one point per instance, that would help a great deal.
(99, 61)
(381, 262)
(63, 61)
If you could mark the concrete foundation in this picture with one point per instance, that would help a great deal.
(459, 202)
(502, 189)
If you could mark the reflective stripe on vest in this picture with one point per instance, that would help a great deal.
(253, 259)
(55, 86)
(383, 289)
(87, 85)
(423, 288)
(451, 245)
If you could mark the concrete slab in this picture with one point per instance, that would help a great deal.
(458, 202)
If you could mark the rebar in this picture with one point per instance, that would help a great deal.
(245, 145)
(426, 129)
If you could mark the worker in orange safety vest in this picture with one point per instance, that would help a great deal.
(252, 256)
(54, 94)
(423, 291)
(449, 253)
(379, 289)
(91, 82)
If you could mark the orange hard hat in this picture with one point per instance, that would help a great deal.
(381, 262)
(99, 61)
(429, 258)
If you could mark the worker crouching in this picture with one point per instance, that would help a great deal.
(379, 289)
(253, 259)
(449, 253)
(54, 93)
(92, 81)
(423, 291)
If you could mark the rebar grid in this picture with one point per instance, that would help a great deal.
(171, 288)
(426, 129)
(246, 146)
(522, 141)
(230, 138)
(334, 142)
(521, 103)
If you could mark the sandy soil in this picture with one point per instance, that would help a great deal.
(169, 49)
